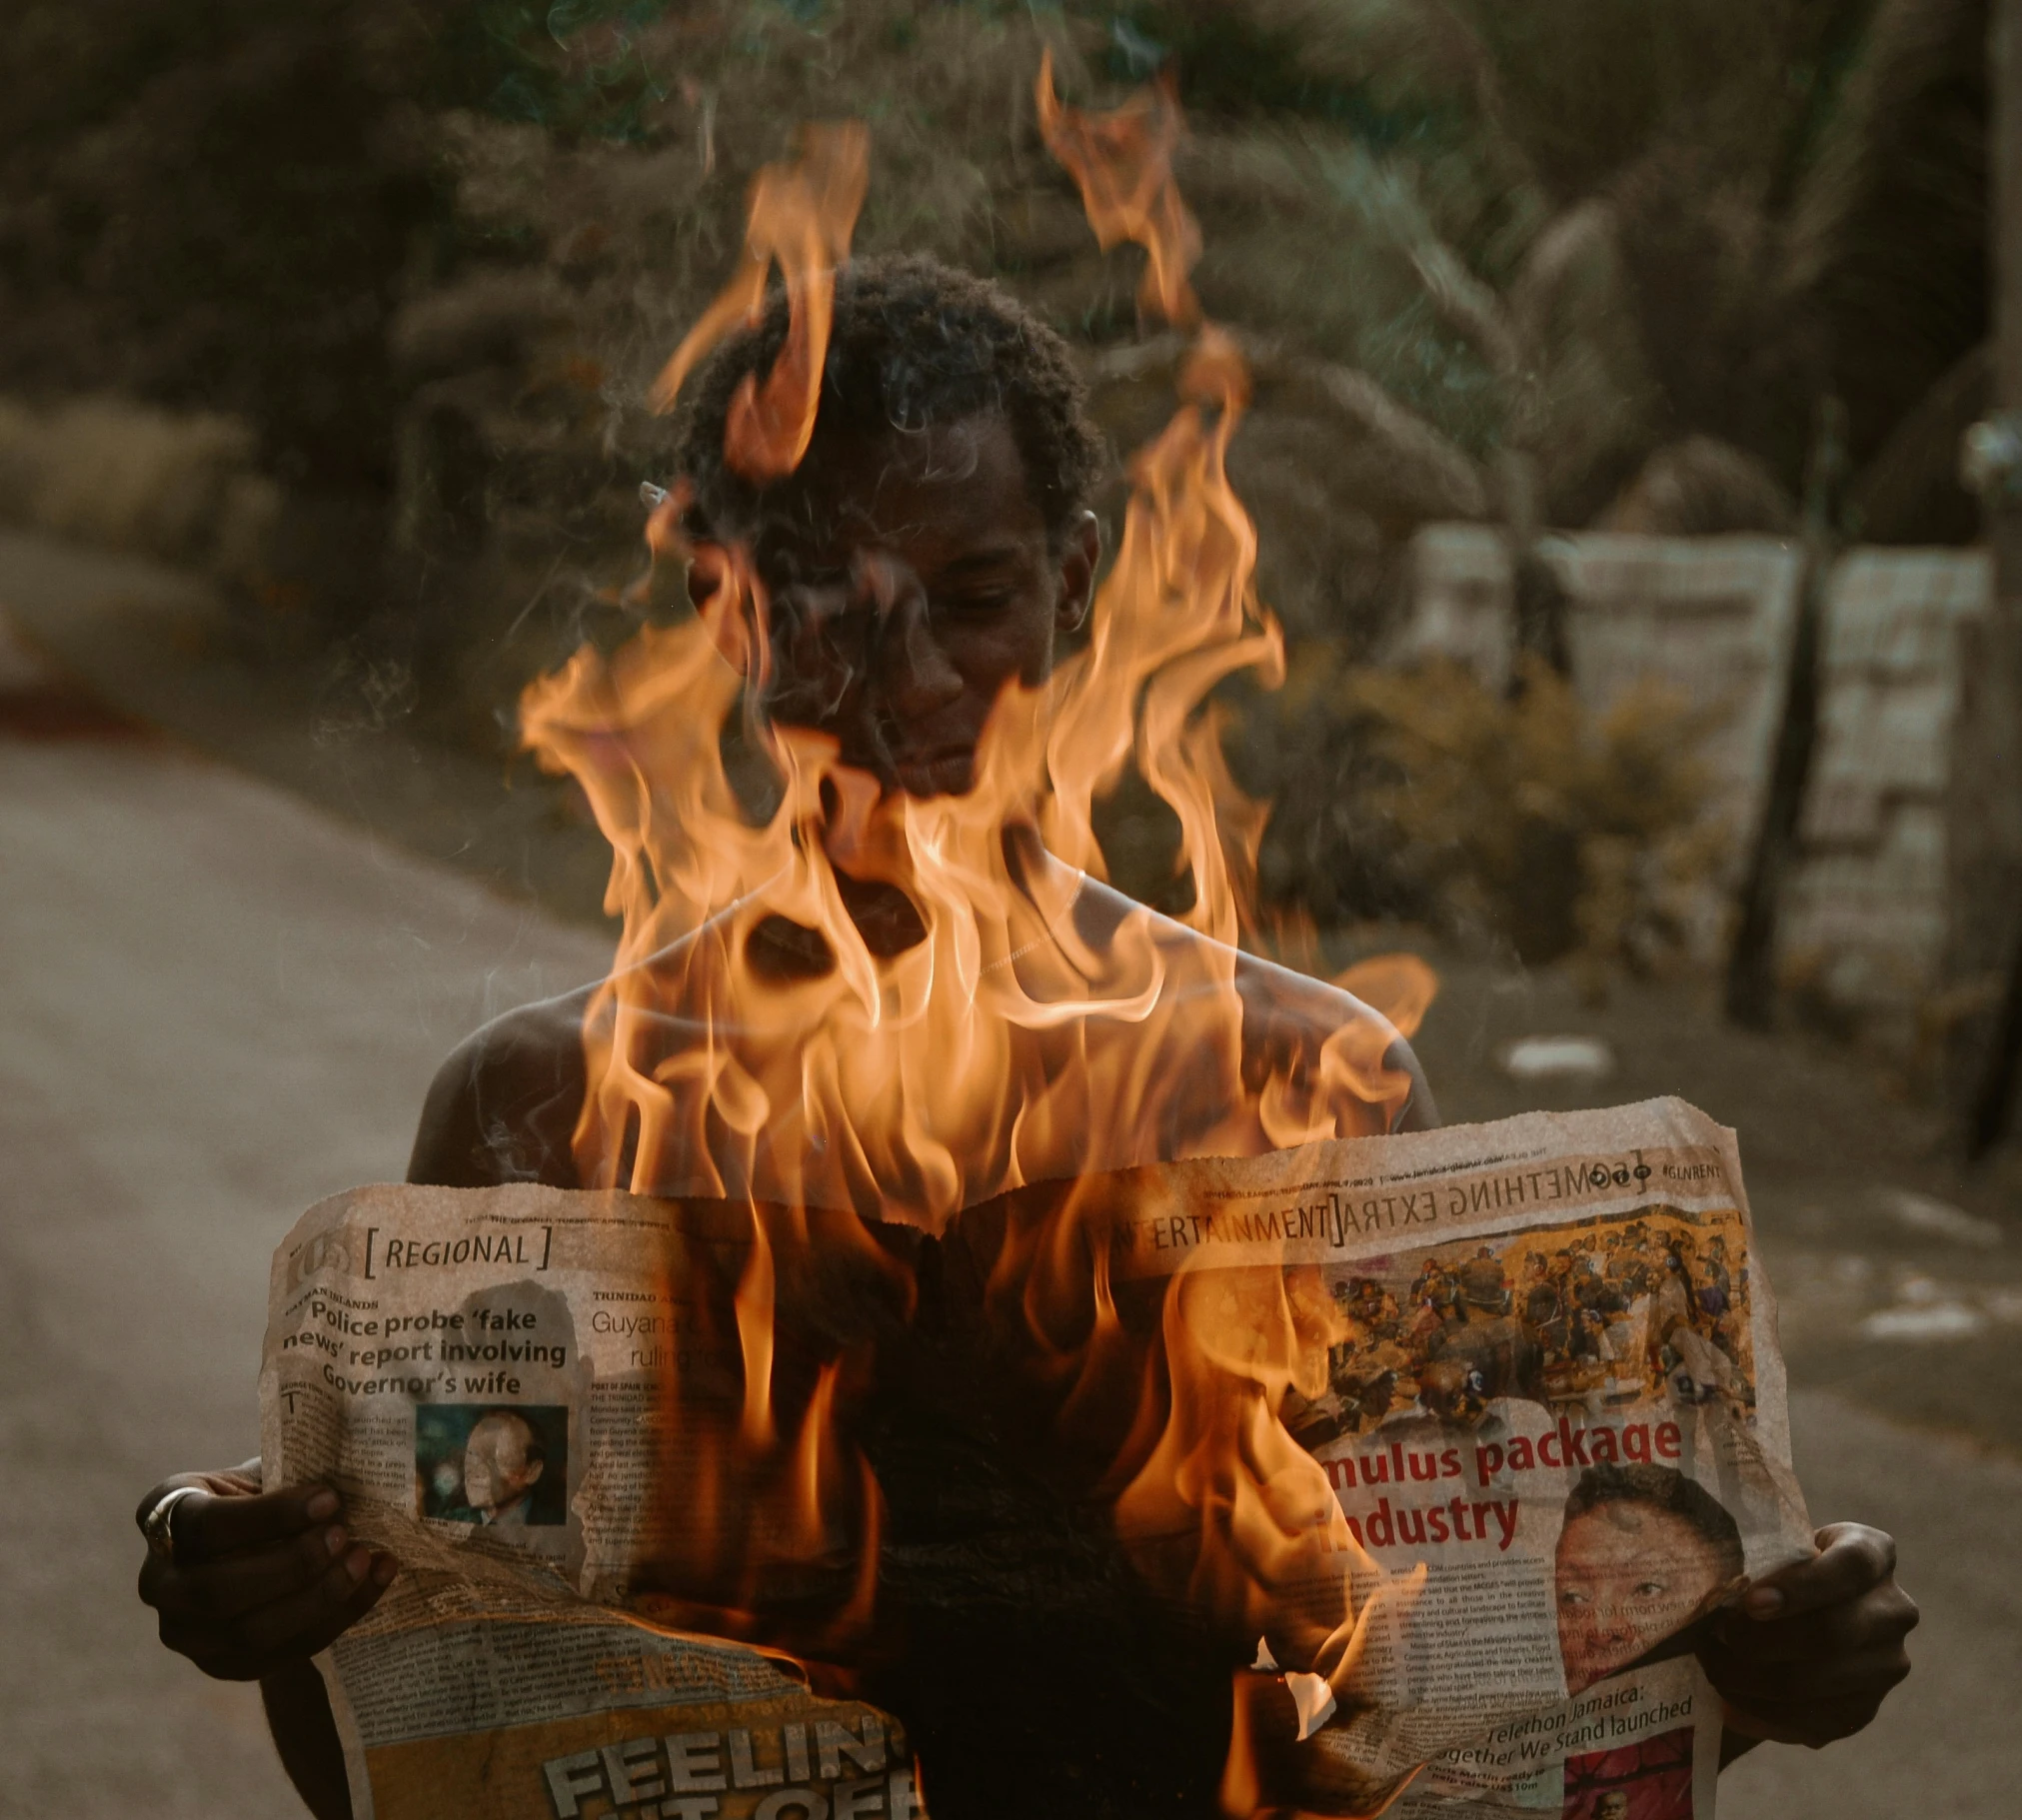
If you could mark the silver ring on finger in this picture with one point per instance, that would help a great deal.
(158, 1526)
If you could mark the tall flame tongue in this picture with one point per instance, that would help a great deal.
(1124, 162)
(1040, 1031)
(801, 216)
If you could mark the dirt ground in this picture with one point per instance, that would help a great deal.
(159, 1136)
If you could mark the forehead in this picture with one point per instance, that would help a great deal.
(1626, 1527)
(936, 492)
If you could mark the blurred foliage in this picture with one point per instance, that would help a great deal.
(1572, 261)
(1511, 818)
(1579, 226)
(205, 204)
(104, 470)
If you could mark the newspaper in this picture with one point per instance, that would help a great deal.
(1552, 1407)
(1641, 1746)
(485, 1375)
(1534, 1373)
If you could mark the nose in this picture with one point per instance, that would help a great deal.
(912, 672)
(1616, 1629)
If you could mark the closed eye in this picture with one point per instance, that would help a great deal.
(983, 581)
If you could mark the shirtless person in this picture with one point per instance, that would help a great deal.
(952, 460)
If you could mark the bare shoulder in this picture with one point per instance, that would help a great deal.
(1290, 1010)
(1288, 1016)
(504, 1107)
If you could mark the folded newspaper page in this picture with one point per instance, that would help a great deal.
(1440, 1445)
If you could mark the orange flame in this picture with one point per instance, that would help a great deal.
(801, 216)
(771, 1534)
(1038, 1031)
(1401, 986)
(1124, 162)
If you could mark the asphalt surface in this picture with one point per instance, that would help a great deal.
(217, 1005)
(221, 1002)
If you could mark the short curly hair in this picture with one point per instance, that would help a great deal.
(914, 341)
(1663, 1488)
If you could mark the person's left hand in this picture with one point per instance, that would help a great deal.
(1811, 1651)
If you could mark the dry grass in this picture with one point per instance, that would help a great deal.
(181, 486)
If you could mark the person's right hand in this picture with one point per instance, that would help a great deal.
(257, 1580)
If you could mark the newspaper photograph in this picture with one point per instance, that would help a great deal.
(1445, 1442)
(1642, 1745)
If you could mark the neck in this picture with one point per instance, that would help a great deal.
(884, 914)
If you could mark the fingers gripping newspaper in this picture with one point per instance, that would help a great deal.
(1523, 1378)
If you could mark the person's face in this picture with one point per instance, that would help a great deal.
(496, 1467)
(1629, 1575)
(1614, 1805)
(910, 579)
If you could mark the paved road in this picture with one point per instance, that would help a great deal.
(1947, 1746)
(216, 1006)
(219, 1004)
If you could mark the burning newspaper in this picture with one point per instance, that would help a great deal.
(1433, 1448)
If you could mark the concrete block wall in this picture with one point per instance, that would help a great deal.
(1867, 920)
(1708, 618)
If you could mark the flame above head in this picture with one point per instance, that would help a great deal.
(754, 1045)
(1123, 162)
(802, 218)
